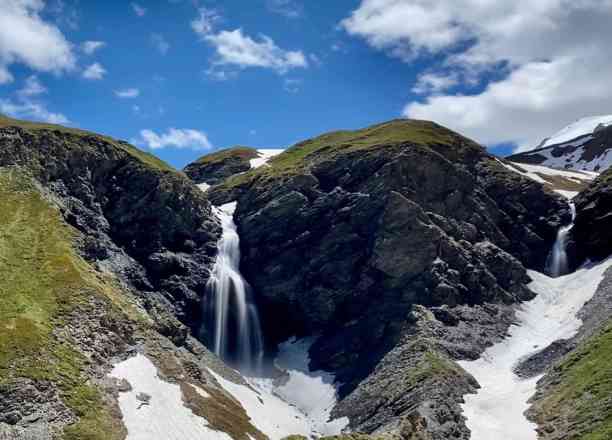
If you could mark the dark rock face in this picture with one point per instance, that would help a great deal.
(344, 238)
(591, 236)
(149, 225)
(216, 167)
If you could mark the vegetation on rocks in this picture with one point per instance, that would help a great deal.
(42, 281)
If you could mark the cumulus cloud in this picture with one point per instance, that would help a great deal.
(549, 58)
(94, 72)
(26, 38)
(234, 48)
(175, 138)
(127, 93)
(160, 43)
(138, 9)
(288, 8)
(89, 47)
(240, 51)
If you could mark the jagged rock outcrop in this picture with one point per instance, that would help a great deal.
(214, 168)
(139, 218)
(591, 236)
(343, 234)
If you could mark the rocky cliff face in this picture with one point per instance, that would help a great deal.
(345, 233)
(138, 217)
(214, 168)
(105, 253)
(592, 233)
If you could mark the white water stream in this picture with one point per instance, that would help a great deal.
(557, 264)
(497, 410)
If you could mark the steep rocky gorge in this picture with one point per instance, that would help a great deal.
(403, 246)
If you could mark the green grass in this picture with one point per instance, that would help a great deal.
(34, 127)
(238, 151)
(584, 392)
(433, 366)
(301, 156)
(42, 281)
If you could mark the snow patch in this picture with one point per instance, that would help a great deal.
(264, 156)
(203, 186)
(165, 415)
(581, 127)
(497, 409)
(301, 405)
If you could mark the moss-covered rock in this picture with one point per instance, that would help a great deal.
(216, 167)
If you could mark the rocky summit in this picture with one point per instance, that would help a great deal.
(391, 274)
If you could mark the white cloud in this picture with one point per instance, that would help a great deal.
(288, 8)
(94, 72)
(89, 47)
(176, 138)
(160, 43)
(434, 83)
(32, 87)
(127, 93)
(26, 38)
(204, 24)
(138, 9)
(233, 48)
(27, 109)
(549, 57)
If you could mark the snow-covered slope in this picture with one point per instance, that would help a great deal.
(265, 155)
(580, 128)
(497, 410)
(583, 145)
(564, 182)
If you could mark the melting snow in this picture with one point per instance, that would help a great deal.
(497, 410)
(203, 186)
(264, 156)
(165, 416)
(301, 406)
(581, 127)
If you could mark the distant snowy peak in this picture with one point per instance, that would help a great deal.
(584, 127)
(584, 145)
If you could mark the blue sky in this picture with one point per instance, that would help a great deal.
(184, 77)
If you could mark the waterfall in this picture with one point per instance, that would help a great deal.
(557, 264)
(231, 326)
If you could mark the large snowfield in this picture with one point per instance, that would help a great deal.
(497, 410)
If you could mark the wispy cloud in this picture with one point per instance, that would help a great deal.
(94, 72)
(127, 93)
(288, 8)
(160, 43)
(138, 9)
(175, 138)
(89, 47)
(32, 87)
(203, 25)
(292, 85)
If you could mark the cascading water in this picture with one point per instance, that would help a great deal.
(557, 264)
(232, 324)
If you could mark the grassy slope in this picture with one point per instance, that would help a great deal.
(238, 151)
(146, 158)
(42, 280)
(327, 146)
(583, 394)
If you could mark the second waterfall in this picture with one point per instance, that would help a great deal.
(231, 321)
